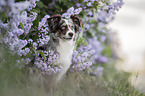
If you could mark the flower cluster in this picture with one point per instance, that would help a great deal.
(71, 11)
(98, 47)
(43, 32)
(10, 30)
(96, 26)
(23, 34)
(106, 13)
(28, 22)
(43, 24)
(88, 4)
(103, 15)
(12, 8)
(97, 71)
(32, 4)
(80, 58)
(46, 62)
(17, 24)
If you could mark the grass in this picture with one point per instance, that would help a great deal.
(25, 82)
(119, 85)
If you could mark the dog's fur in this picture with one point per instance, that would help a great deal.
(64, 33)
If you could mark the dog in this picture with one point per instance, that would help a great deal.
(64, 33)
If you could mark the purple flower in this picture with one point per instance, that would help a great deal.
(80, 59)
(81, 49)
(98, 71)
(66, 15)
(18, 32)
(102, 16)
(35, 45)
(102, 59)
(70, 11)
(101, 25)
(85, 54)
(40, 25)
(102, 38)
(27, 27)
(32, 4)
(77, 11)
(89, 4)
(27, 50)
(92, 0)
(27, 60)
(103, 31)
(44, 40)
(112, 11)
(23, 17)
(32, 17)
(78, 4)
(90, 13)
(87, 26)
(21, 52)
(96, 48)
(86, 0)
(43, 23)
(22, 43)
(46, 65)
(92, 51)
(30, 41)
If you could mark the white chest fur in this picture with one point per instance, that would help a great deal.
(65, 50)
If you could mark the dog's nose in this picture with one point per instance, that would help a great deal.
(70, 34)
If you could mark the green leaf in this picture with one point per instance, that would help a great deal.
(34, 10)
(22, 26)
(4, 14)
(42, 54)
(37, 52)
(80, 40)
(40, 4)
(94, 10)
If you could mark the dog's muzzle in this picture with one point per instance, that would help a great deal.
(70, 34)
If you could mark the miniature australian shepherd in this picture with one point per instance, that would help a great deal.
(64, 33)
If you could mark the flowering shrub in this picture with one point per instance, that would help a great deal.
(24, 29)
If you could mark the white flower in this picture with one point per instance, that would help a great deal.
(89, 4)
(77, 11)
(23, 17)
(66, 15)
(70, 10)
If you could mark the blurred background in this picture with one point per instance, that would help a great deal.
(129, 25)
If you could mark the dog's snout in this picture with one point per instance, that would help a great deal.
(70, 34)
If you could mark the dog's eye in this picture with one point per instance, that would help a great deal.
(63, 28)
(72, 27)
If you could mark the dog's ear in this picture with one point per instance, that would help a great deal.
(77, 22)
(53, 22)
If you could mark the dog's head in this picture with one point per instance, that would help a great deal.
(65, 29)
